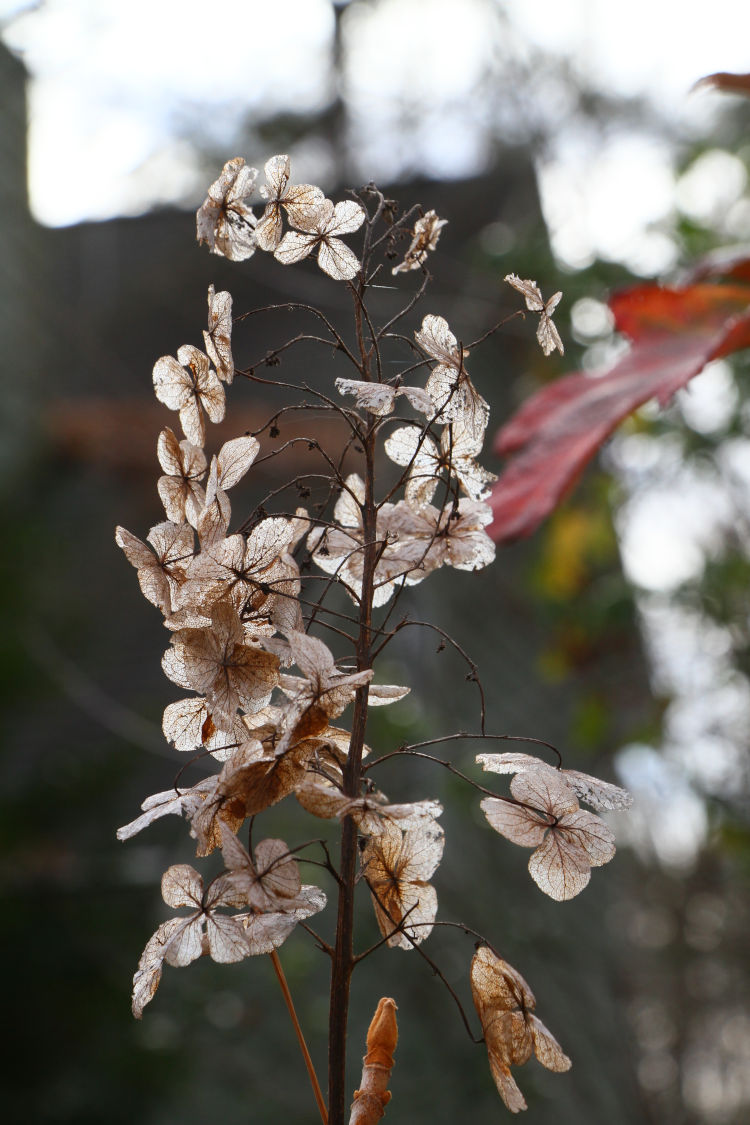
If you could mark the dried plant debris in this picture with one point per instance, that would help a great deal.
(267, 660)
(505, 1006)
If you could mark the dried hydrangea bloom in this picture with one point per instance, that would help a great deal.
(452, 392)
(591, 790)
(567, 841)
(161, 570)
(338, 550)
(251, 572)
(182, 940)
(425, 238)
(410, 447)
(268, 883)
(380, 398)
(546, 333)
(189, 384)
(218, 338)
(252, 778)
(322, 233)
(428, 538)
(180, 490)
(218, 664)
(397, 866)
(300, 201)
(505, 1006)
(321, 693)
(223, 220)
(273, 889)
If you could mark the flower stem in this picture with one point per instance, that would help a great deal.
(300, 1037)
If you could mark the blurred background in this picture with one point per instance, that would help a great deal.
(562, 142)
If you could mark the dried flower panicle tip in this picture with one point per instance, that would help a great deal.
(424, 239)
(373, 1095)
(546, 333)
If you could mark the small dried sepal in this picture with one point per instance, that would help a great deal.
(546, 333)
(373, 1095)
(505, 1006)
(425, 238)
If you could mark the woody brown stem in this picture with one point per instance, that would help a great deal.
(343, 958)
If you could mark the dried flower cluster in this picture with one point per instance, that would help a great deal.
(264, 692)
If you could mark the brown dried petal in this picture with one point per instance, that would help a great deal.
(504, 1003)
(397, 866)
(148, 974)
(183, 723)
(234, 459)
(218, 338)
(517, 824)
(560, 866)
(546, 1048)
(436, 338)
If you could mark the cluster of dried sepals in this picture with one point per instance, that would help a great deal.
(234, 607)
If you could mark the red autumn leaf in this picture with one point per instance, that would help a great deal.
(674, 332)
(734, 83)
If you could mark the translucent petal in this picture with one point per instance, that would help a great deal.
(294, 246)
(218, 338)
(347, 217)
(183, 723)
(337, 260)
(301, 203)
(517, 824)
(560, 866)
(226, 939)
(148, 974)
(377, 398)
(181, 885)
(234, 459)
(546, 1048)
